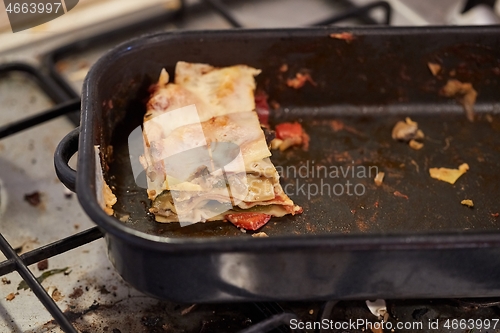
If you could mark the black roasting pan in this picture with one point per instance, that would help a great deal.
(409, 238)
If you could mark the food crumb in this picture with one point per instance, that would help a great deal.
(288, 135)
(407, 130)
(77, 292)
(275, 105)
(311, 311)
(276, 143)
(448, 175)
(464, 93)
(284, 68)
(124, 218)
(56, 295)
(434, 68)
(5, 280)
(10, 297)
(495, 215)
(260, 234)
(414, 144)
(379, 178)
(188, 310)
(300, 80)
(43, 265)
(400, 195)
(34, 199)
(103, 290)
(243, 230)
(347, 36)
(337, 125)
(67, 193)
(467, 202)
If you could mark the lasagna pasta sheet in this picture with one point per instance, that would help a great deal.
(205, 154)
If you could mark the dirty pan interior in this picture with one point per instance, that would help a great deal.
(366, 85)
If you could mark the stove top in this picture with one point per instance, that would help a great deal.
(40, 218)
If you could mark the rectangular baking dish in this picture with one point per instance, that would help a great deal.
(409, 238)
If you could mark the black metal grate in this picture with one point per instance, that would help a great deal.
(18, 263)
(68, 103)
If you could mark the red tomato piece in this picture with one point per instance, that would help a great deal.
(248, 221)
(289, 131)
(262, 107)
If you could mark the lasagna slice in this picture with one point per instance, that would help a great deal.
(205, 154)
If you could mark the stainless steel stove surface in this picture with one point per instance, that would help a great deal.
(37, 210)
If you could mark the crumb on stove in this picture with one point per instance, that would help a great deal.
(379, 178)
(284, 68)
(43, 265)
(102, 289)
(10, 297)
(34, 199)
(5, 280)
(62, 65)
(311, 311)
(77, 292)
(67, 193)
(260, 234)
(55, 293)
(57, 296)
(467, 202)
(495, 215)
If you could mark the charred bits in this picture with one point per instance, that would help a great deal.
(34, 199)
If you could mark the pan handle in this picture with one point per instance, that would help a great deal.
(64, 151)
